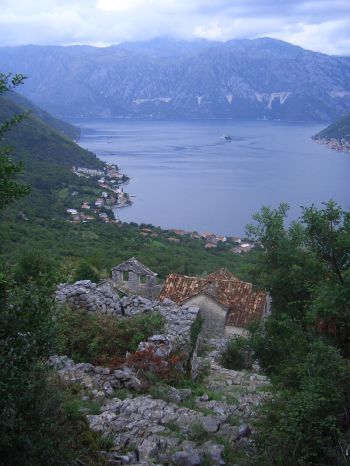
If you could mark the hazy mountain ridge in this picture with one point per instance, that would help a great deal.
(163, 78)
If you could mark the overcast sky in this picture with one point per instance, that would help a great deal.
(322, 25)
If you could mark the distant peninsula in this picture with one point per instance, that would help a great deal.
(336, 135)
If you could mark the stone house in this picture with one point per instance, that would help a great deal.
(134, 277)
(226, 304)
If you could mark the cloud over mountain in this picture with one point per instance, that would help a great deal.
(315, 24)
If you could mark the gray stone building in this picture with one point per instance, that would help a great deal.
(134, 277)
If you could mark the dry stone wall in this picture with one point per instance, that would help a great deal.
(103, 298)
(84, 294)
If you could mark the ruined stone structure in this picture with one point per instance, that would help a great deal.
(92, 297)
(102, 298)
(226, 304)
(134, 277)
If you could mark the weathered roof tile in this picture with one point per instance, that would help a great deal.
(243, 303)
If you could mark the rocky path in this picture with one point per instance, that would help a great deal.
(182, 427)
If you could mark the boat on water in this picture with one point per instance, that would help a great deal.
(227, 137)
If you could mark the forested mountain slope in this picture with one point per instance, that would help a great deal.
(40, 222)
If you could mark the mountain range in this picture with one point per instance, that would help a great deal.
(164, 78)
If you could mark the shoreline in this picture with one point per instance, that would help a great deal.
(108, 193)
(334, 144)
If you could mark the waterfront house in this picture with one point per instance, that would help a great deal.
(243, 247)
(99, 202)
(226, 303)
(72, 211)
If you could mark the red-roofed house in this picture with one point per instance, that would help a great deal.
(227, 304)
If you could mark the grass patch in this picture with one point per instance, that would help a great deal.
(122, 394)
(198, 433)
(233, 455)
(233, 420)
(75, 407)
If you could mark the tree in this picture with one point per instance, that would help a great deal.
(286, 267)
(35, 426)
(328, 234)
(10, 189)
(305, 344)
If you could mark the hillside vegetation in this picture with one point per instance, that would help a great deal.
(338, 130)
(39, 221)
(300, 419)
(67, 129)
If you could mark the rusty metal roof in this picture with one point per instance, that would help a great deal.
(242, 302)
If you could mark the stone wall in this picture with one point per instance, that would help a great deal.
(103, 298)
(214, 316)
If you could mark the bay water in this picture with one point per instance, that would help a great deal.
(186, 175)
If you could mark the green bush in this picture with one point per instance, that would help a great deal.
(306, 424)
(100, 338)
(35, 428)
(237, 354)
(85, 271)
(35, 266)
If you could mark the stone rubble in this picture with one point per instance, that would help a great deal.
(154, 429)
(103, 298)
(97, 382)
(84, 294)
(149, 431)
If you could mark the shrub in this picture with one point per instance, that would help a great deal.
(85, 271)
(35, 428)
(154, 369)
(237, 354)
(306, 423)
(101, 339)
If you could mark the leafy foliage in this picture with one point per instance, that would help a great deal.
(237, 354)
(304, 344)
(10, 188)
(85, 271)
(99, 339)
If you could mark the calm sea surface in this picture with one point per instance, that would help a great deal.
(185, 175)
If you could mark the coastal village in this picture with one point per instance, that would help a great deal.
(211, 241)
(109, 194)
(238, 245)
(340, 145)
